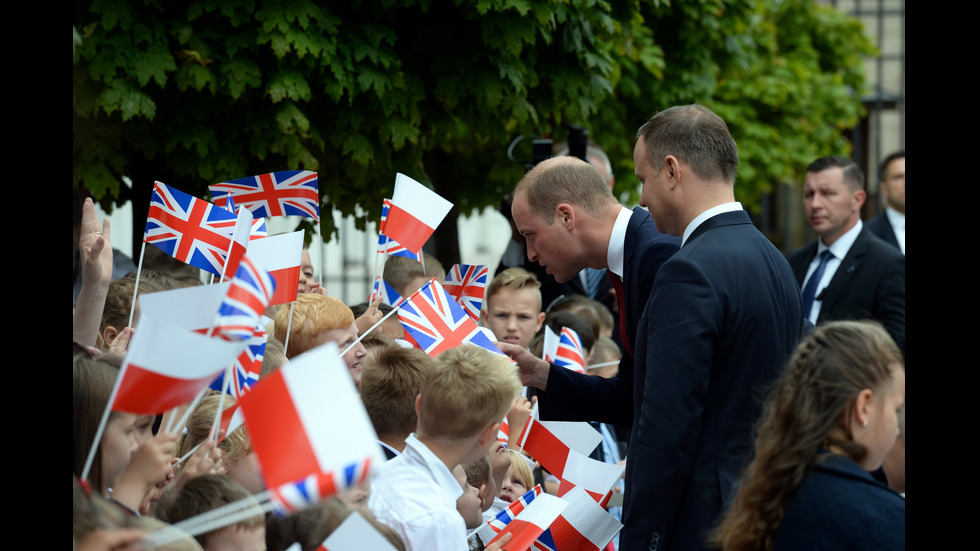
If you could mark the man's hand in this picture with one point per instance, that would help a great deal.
(533, 371)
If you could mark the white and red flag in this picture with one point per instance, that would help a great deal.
(415, 212)
(531, 523)
(281, 255)
(596, 478)
(167, 366)
(550, 442)
(467, 283)
(290, 192)
(306, 418)
(583, 525)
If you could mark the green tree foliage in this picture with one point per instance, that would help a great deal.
(193, 93)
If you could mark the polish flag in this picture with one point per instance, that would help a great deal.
(167, 366)
(596, 478)
(306, 418)
(416, 211)
(584, 524)
(190, 308)
(356, 534)
(282, 256)
(532, 522)
(551, 442)
(231, 419)
(239, 242)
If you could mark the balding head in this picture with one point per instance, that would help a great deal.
(564, 179)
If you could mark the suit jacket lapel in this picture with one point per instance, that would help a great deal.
(801, 264)
(850, 264)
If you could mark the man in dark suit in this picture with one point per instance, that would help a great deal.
(889, 226)
(848, 273)
(570, 221)
(724, 316)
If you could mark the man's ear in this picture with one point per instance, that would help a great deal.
(860, 196)
(565, 215)
(488, 435)
(109, 334)
(673, 169)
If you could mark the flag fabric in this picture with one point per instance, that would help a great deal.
(389, 295)
(583, 525)
(388, 245)
(306, 418)
(503, 433)
(295, 496)
(466, 283)
(549, 349)
(415, 212)
(598, 479)
(570, 353)
(239, 241)
(508, 514)
(355, 534)
(231, 419)
(281, 255)
(190, 308)
(248, 296)
(189, 229)
(248, 366)
(551, 442)
(258, 230)
(286, 193)
(529, 525)
(437, 323)
(166, 366)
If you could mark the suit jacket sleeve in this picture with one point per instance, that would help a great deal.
(575, 396)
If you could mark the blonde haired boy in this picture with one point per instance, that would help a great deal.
(512, 308)
(465, 394)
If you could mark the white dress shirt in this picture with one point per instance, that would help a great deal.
(415, 493)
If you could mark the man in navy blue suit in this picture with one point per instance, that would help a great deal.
(724, 316)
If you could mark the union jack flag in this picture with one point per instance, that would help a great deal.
(389, 295)
(388, 245)
(466, 283)
(570, 353)
(295, 496)
(248, 296)
(189, 229)
(508, 514)
(291, 192)
(258, 229)
(437, 323)
(247, 366)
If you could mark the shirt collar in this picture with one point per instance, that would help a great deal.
(616, 253)
(843, 244)
(443, 476)
(895, 218)
(713, 211)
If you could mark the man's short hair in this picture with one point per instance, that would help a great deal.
(312, 314)
(883, 167)
(390, 381)
(853, 177)
(513, 278)
(206, 493)
(571, 180)
(695, 135)
(467, 389)
(399, 271)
